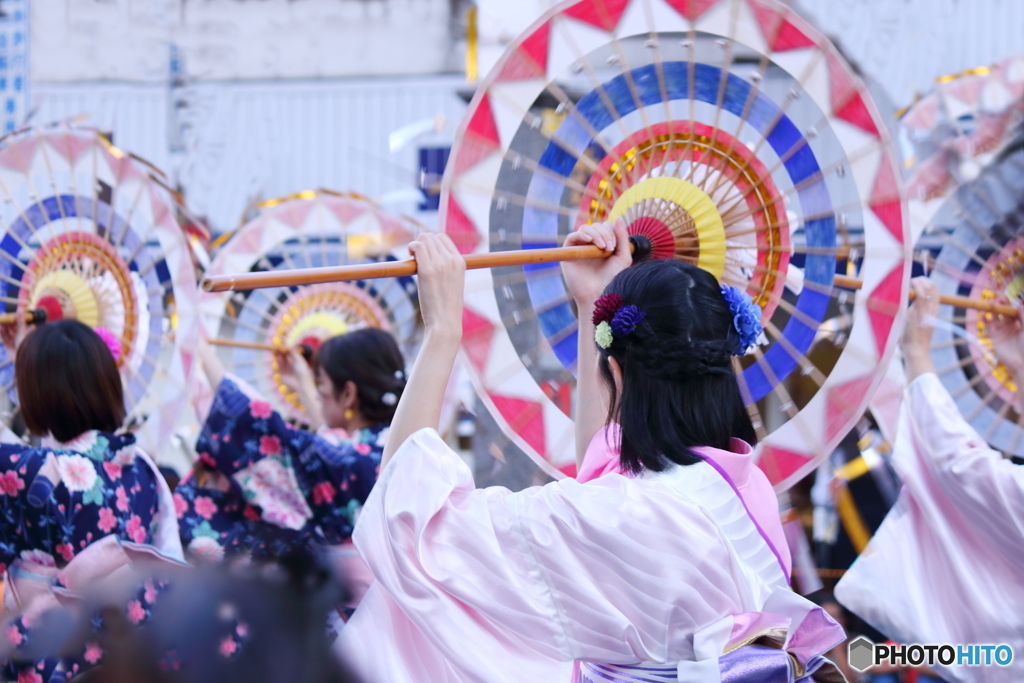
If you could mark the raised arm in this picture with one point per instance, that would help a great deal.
(586, 281)
(442, 282)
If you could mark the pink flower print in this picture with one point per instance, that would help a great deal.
(270, 445)
(242, 630)
(323, 493)
(113, 469)
(122, 499)
(107, 520)
(251, 513)
(66, 550)
(135, 530)
(77, 472)
(136, 612)
(149, 595)
(93, 653)
(205, 507)
(207, 460)
(362, 448)
(29, 677)
(261, 410)
(11, 483)
(14, 635)
(228, 646)
(180, 505)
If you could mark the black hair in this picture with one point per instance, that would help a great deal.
(68, 382)
(679, 391)
(371, 359)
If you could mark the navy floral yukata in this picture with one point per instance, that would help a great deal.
(264, 488)
(102, 488)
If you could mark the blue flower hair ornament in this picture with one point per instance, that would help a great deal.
(746, 318)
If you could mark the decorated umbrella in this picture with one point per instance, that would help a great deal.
(732, 135)
(308, 230)
(953, 132)
(981, 255)
(89, 232)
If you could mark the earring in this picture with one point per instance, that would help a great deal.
(349, 413)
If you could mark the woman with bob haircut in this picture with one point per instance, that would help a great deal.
(666, 567)
(262, 488)
(87, 482)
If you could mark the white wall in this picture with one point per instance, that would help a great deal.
(129, 40)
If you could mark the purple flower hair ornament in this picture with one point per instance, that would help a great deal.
(612, 319)
(746, 318)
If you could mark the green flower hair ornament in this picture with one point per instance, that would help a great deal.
(603, 335)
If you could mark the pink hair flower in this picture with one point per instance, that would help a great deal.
(112, 342)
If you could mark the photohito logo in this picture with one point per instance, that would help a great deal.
(863, 654)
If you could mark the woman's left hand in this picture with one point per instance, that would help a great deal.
(441, 272)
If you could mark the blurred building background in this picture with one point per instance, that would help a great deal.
(243, 100)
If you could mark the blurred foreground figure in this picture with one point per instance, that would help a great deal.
(212, 625)
(945, 566)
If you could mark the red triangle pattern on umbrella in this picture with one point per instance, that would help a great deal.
(843, 403)
(778, 31)
(883, 304)
(885, 198)
(460, 228)
(18, 155)
(530, 60)
(778, 463)
(481, 137)
(847, 102)
(525, 418)
(477, 334)
(345, 210)
(604, 14)
(692, 9)
(72, 147)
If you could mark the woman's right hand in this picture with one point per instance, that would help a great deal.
(441, 272)
(587, 278)
(920, 325)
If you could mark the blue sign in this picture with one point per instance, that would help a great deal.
(14, 76)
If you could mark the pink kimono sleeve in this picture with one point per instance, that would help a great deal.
(987, 488)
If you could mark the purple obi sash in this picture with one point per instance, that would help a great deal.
(749, 664)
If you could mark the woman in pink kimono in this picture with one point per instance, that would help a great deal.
(945, 565)
(669, 571)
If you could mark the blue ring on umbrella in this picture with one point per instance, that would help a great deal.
(545, 286)
(157, 277)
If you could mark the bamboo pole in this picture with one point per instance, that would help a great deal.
(498, 259)
(217, 341)
(31, 317)
(960, 301)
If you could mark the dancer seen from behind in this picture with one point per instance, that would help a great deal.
(668, 570)
(87, 492)
(262, 488)
(944, 567)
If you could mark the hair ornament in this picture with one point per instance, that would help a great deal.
(746, 318)
(111, 340)
(400, 375)
(612, 319)
(389, 399)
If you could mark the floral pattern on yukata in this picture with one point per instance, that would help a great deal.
(19, 633)
(263, 488)
(104, 489)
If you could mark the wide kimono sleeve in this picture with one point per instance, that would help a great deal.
(490, 585)
(986, 487)
(19, 466)
(295, 478)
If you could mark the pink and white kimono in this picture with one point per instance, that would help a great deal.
(663, 577)
(947, 564)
